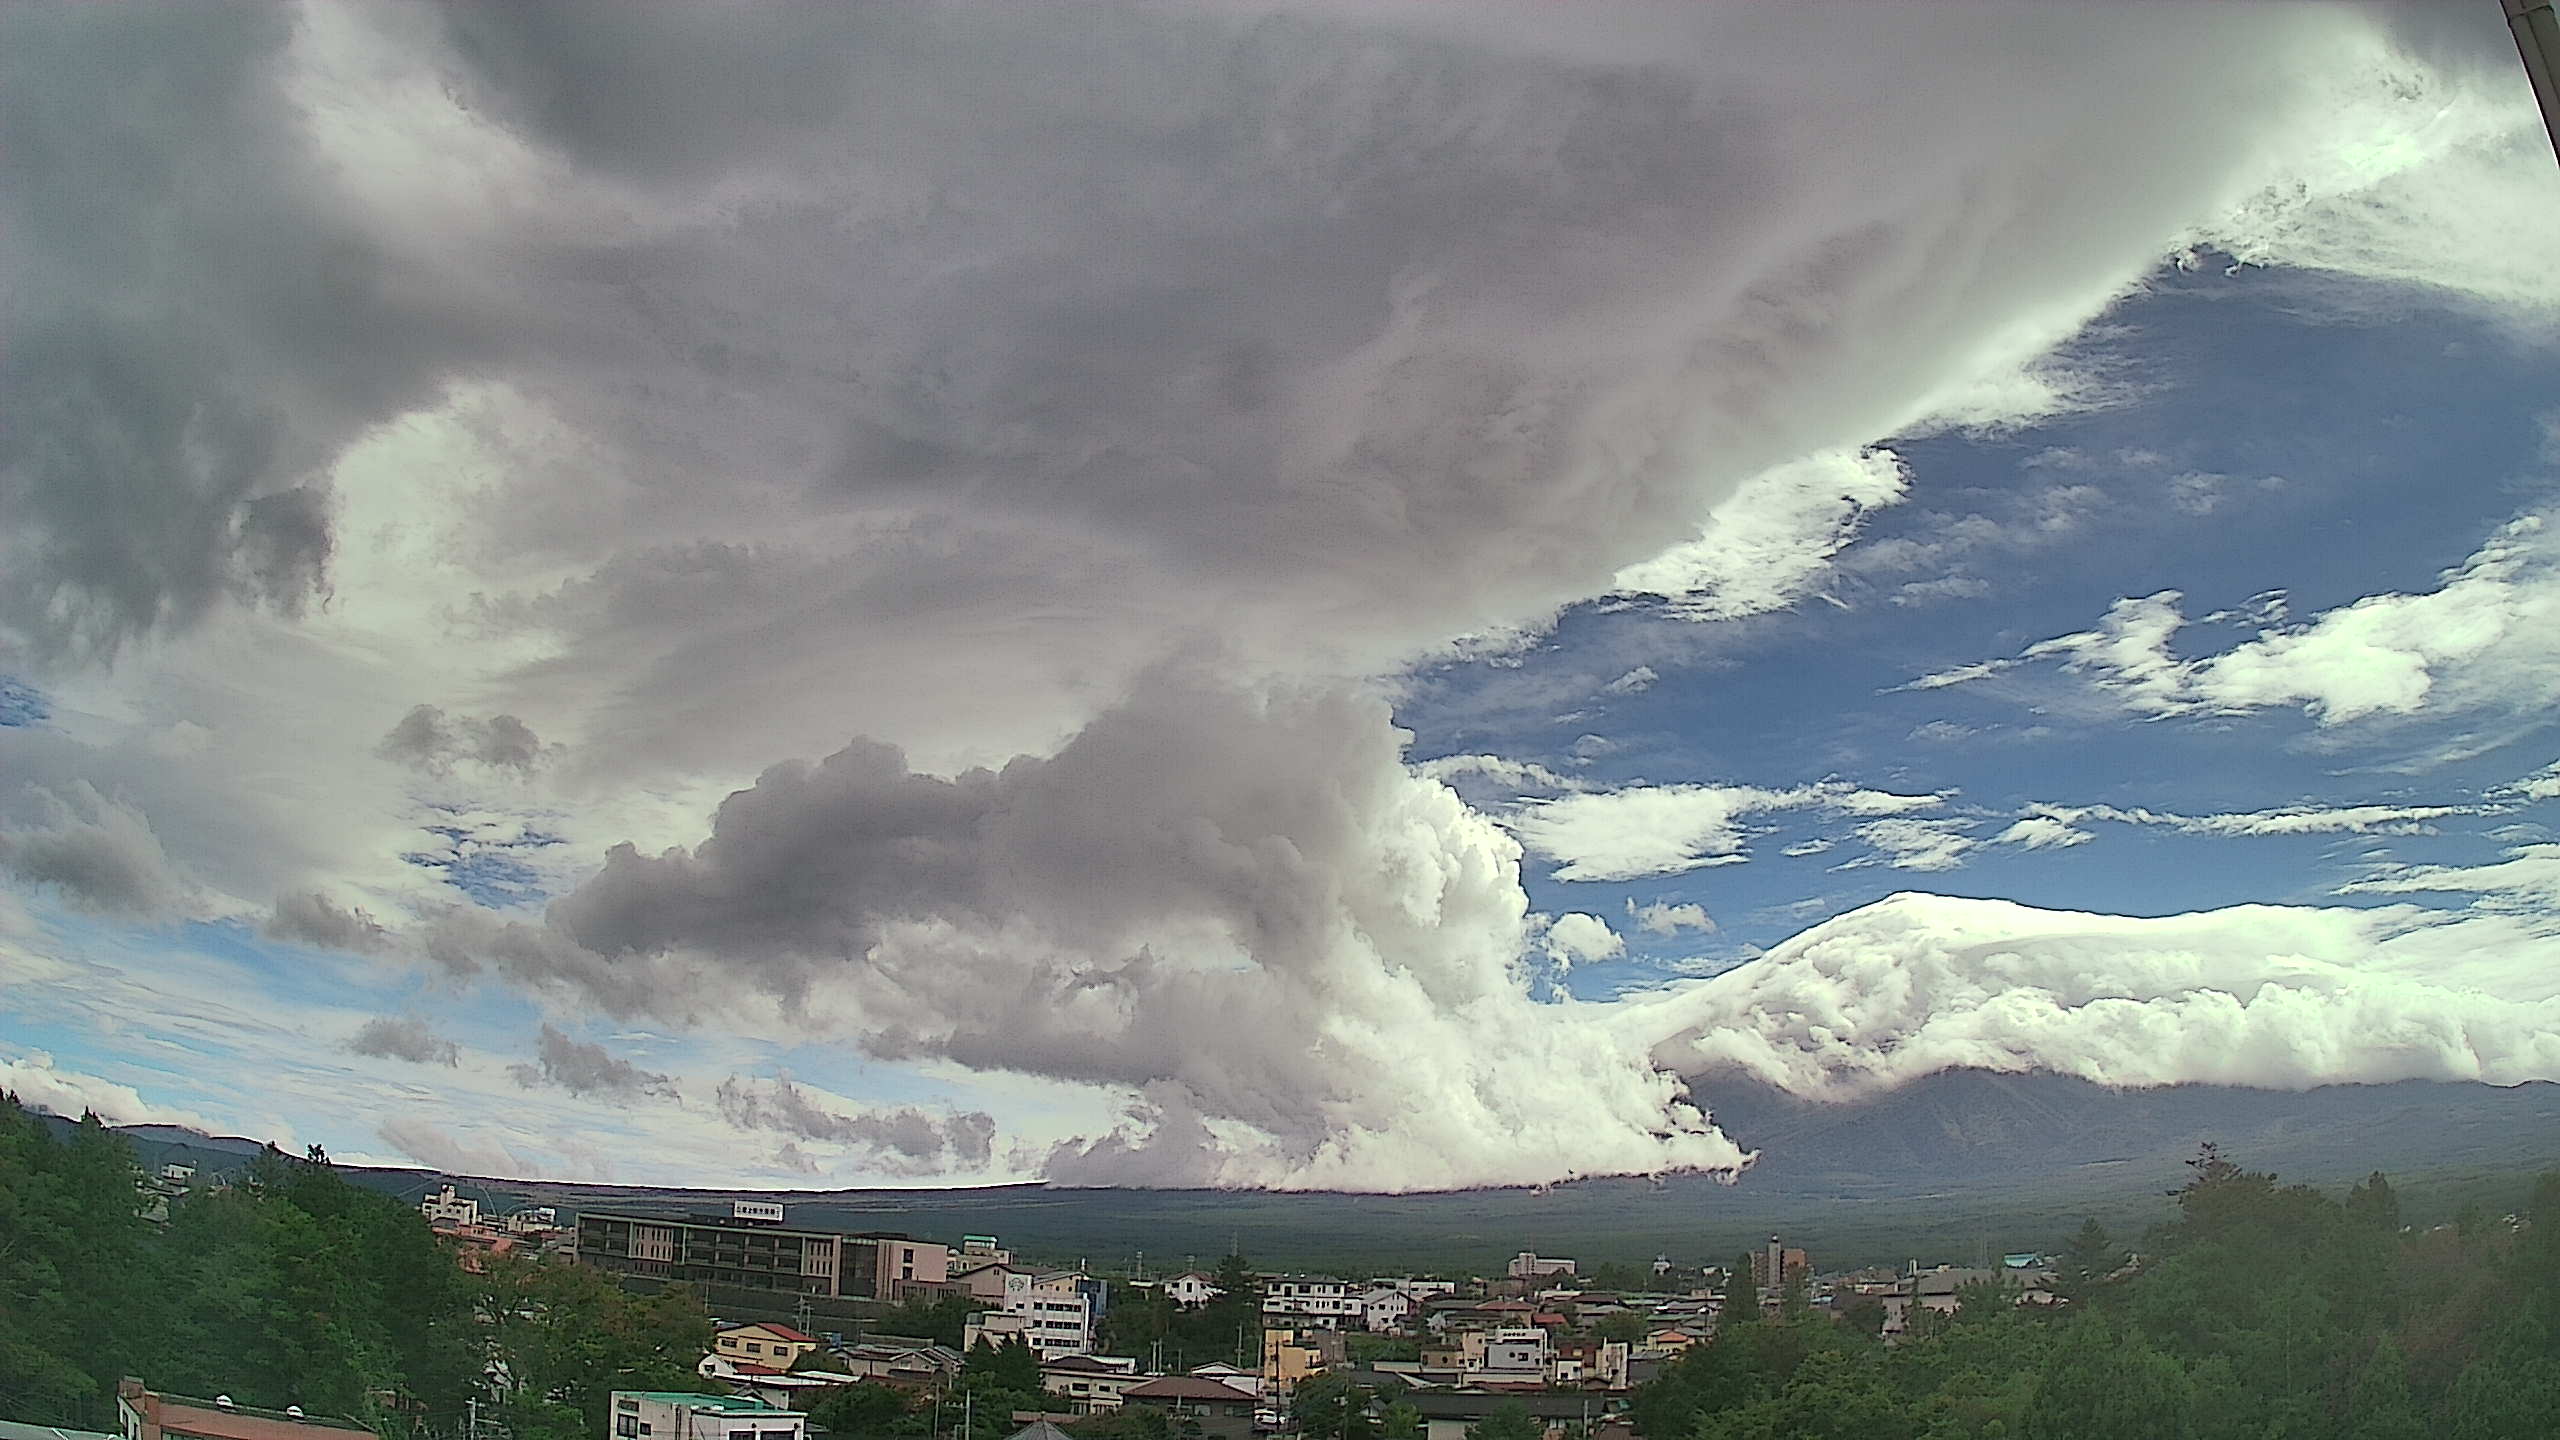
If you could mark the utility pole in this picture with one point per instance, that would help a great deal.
(2537, 32)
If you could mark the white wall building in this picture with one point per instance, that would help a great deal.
(1061, 1310)
(666, 1415)
(1521, 1354)
(1192, 1288)
(446, 1208)
(1529, 1265)
(1384, 1309)
(1318, 1298)
(532, 1219)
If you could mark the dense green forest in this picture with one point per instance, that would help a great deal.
(2260, 1311)
(292, 1287)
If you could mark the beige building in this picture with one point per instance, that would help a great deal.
(1291, 1355)
(776, 1347)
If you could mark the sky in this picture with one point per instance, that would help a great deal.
(1299, 596)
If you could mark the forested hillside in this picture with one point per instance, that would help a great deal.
(291, 1287)
(2259, 1312)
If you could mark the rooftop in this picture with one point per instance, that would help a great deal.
(17, 1430)
(1186, 1387)
(243, 1422)
(725, 1404)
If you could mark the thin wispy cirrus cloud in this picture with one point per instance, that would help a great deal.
(918, 554)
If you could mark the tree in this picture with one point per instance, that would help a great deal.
(1330, 1407)
(2104, 1386)
(2374, 1203)
(1011, 1366)
(2089, 1257)
(2506, 1396)
(1626, 1326)
(868, 1408)
(943, 1319)
(1403, 1421)
(2379, 1408)
(1509, 1420)
(566, 1337)
(1741, 1294)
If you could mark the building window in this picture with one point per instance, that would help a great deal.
(626, 1426)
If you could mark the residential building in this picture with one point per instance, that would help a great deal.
(1385, 1310)
(986, 1283)
(1933, 1290)
(143, 1414)
(1192, 1289)
(1425, 1291)
(908, 1364)
(1090, 1384)
(1597, 1364)
(1291, 1354)
(1515, 1356)
(775, 1347)
(1317, 1298)
(675, 1415)
(447, 1208)
(1446, 1414)
(1234, 1377)
(1223, 1412)
(1061, 1310)
(976, 1252)
(995, 1327)
(1528, 1265)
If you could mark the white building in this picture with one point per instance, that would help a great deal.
(1529, 1265)
(672, 1415)
(446, 1208)
(1521, 1354)
(1318, 1298)
(1061, 1310)
(1192, 1289)
(532, 1220)
(1091, 1384)
(1385, 1309)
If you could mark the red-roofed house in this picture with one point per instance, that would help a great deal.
(776, 1346)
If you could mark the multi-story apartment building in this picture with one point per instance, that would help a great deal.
(751, 1248)
(1319, 1299)
(1060, 1310)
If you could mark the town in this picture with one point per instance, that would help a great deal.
(1544, 1346)
(270, 1297)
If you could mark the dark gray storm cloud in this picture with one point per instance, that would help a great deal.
(430, 740)
(311, 918)
(195, 325)
(1124, 388)
(407, 1038)
(95, 851)
(911, 1141)
(584, 1068)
